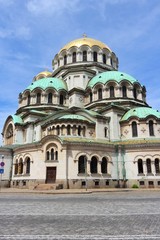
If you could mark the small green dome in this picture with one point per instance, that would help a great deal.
(110, 75)
(141, 113)
(44, 83)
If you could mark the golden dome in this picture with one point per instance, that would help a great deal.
(85, 41)
(43, 74)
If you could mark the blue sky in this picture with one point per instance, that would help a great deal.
(33, 31)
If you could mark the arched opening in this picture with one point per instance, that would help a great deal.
(52, 153)
(74, 57)
(56, 155)
(134, 129)
(111, 90)
(58, 130)
(124, 91)
(28, 99)
(105, 132)
(95, 56)
(99, 93)
(50, 95)
(140, 166)
(79, 130)
(28, 165)
(104, 58)
(93, 165)
(38, 98)
(16, 168)
(151, 128)
(47, 155)
(104, 165)
(148, 163)
(157, 165)
(84, 56)
(65, 59)
(135, 93)
(90, 97)
(81, 164)
(20, 167)
(68, 130)
(61, 99)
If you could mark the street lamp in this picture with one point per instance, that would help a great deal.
(85, 164)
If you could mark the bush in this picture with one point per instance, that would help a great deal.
(135, 186)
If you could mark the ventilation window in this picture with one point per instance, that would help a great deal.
(51, 82)
(99, 76)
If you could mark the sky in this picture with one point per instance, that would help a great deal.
(33, 31)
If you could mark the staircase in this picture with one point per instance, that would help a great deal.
(48, 186)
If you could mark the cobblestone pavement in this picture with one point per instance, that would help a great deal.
(128, 215)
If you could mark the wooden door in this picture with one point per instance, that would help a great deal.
(50, 174)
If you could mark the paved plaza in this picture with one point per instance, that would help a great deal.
(108, 215)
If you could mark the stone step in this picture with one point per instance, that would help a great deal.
(47, 186)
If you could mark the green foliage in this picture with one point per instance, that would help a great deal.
(135, 186)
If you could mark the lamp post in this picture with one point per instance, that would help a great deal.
(1, 170)
(85, 162)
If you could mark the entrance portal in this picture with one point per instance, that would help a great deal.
(50, 174)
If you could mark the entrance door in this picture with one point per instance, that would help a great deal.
(50, 174)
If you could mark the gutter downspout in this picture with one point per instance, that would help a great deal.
(117, 152)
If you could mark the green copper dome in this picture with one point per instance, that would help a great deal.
(74, 117)
(44, 83)
(140, 112)
(110, 75)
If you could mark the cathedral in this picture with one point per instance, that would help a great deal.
(83, 125)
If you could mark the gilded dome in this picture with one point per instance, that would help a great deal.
(85, 41)
(43, 74)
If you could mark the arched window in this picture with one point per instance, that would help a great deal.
(135, 93)
(20, 166)
(58, 130)
(134, 129)
(16, 168)
(52, 153)
(65, 59)
(84, 56)
(68, 130)
(81, 164)
(56, 155)
(79, 130)
(104, 58)
(93, 165)
(95, 56)
(148, 163)
(84, 131)
(28, 99)
(105, 132)
(104, 165)
(99, 93)
(111, 90)
(61, 99)
(28, 164)
(157, 165)
(90, 96)
(38, 98)
(47, 155)
(124, 91)
(50, 97)
(151, 129)
(140, 166)
(111, 61)
(74, 56)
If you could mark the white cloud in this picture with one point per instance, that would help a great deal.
(52, 6)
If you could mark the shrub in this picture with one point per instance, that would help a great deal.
(135, 186)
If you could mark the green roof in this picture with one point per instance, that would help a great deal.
(74, 117)
(110, 75)
(44, 83)
(17, 119)
(140, 112)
